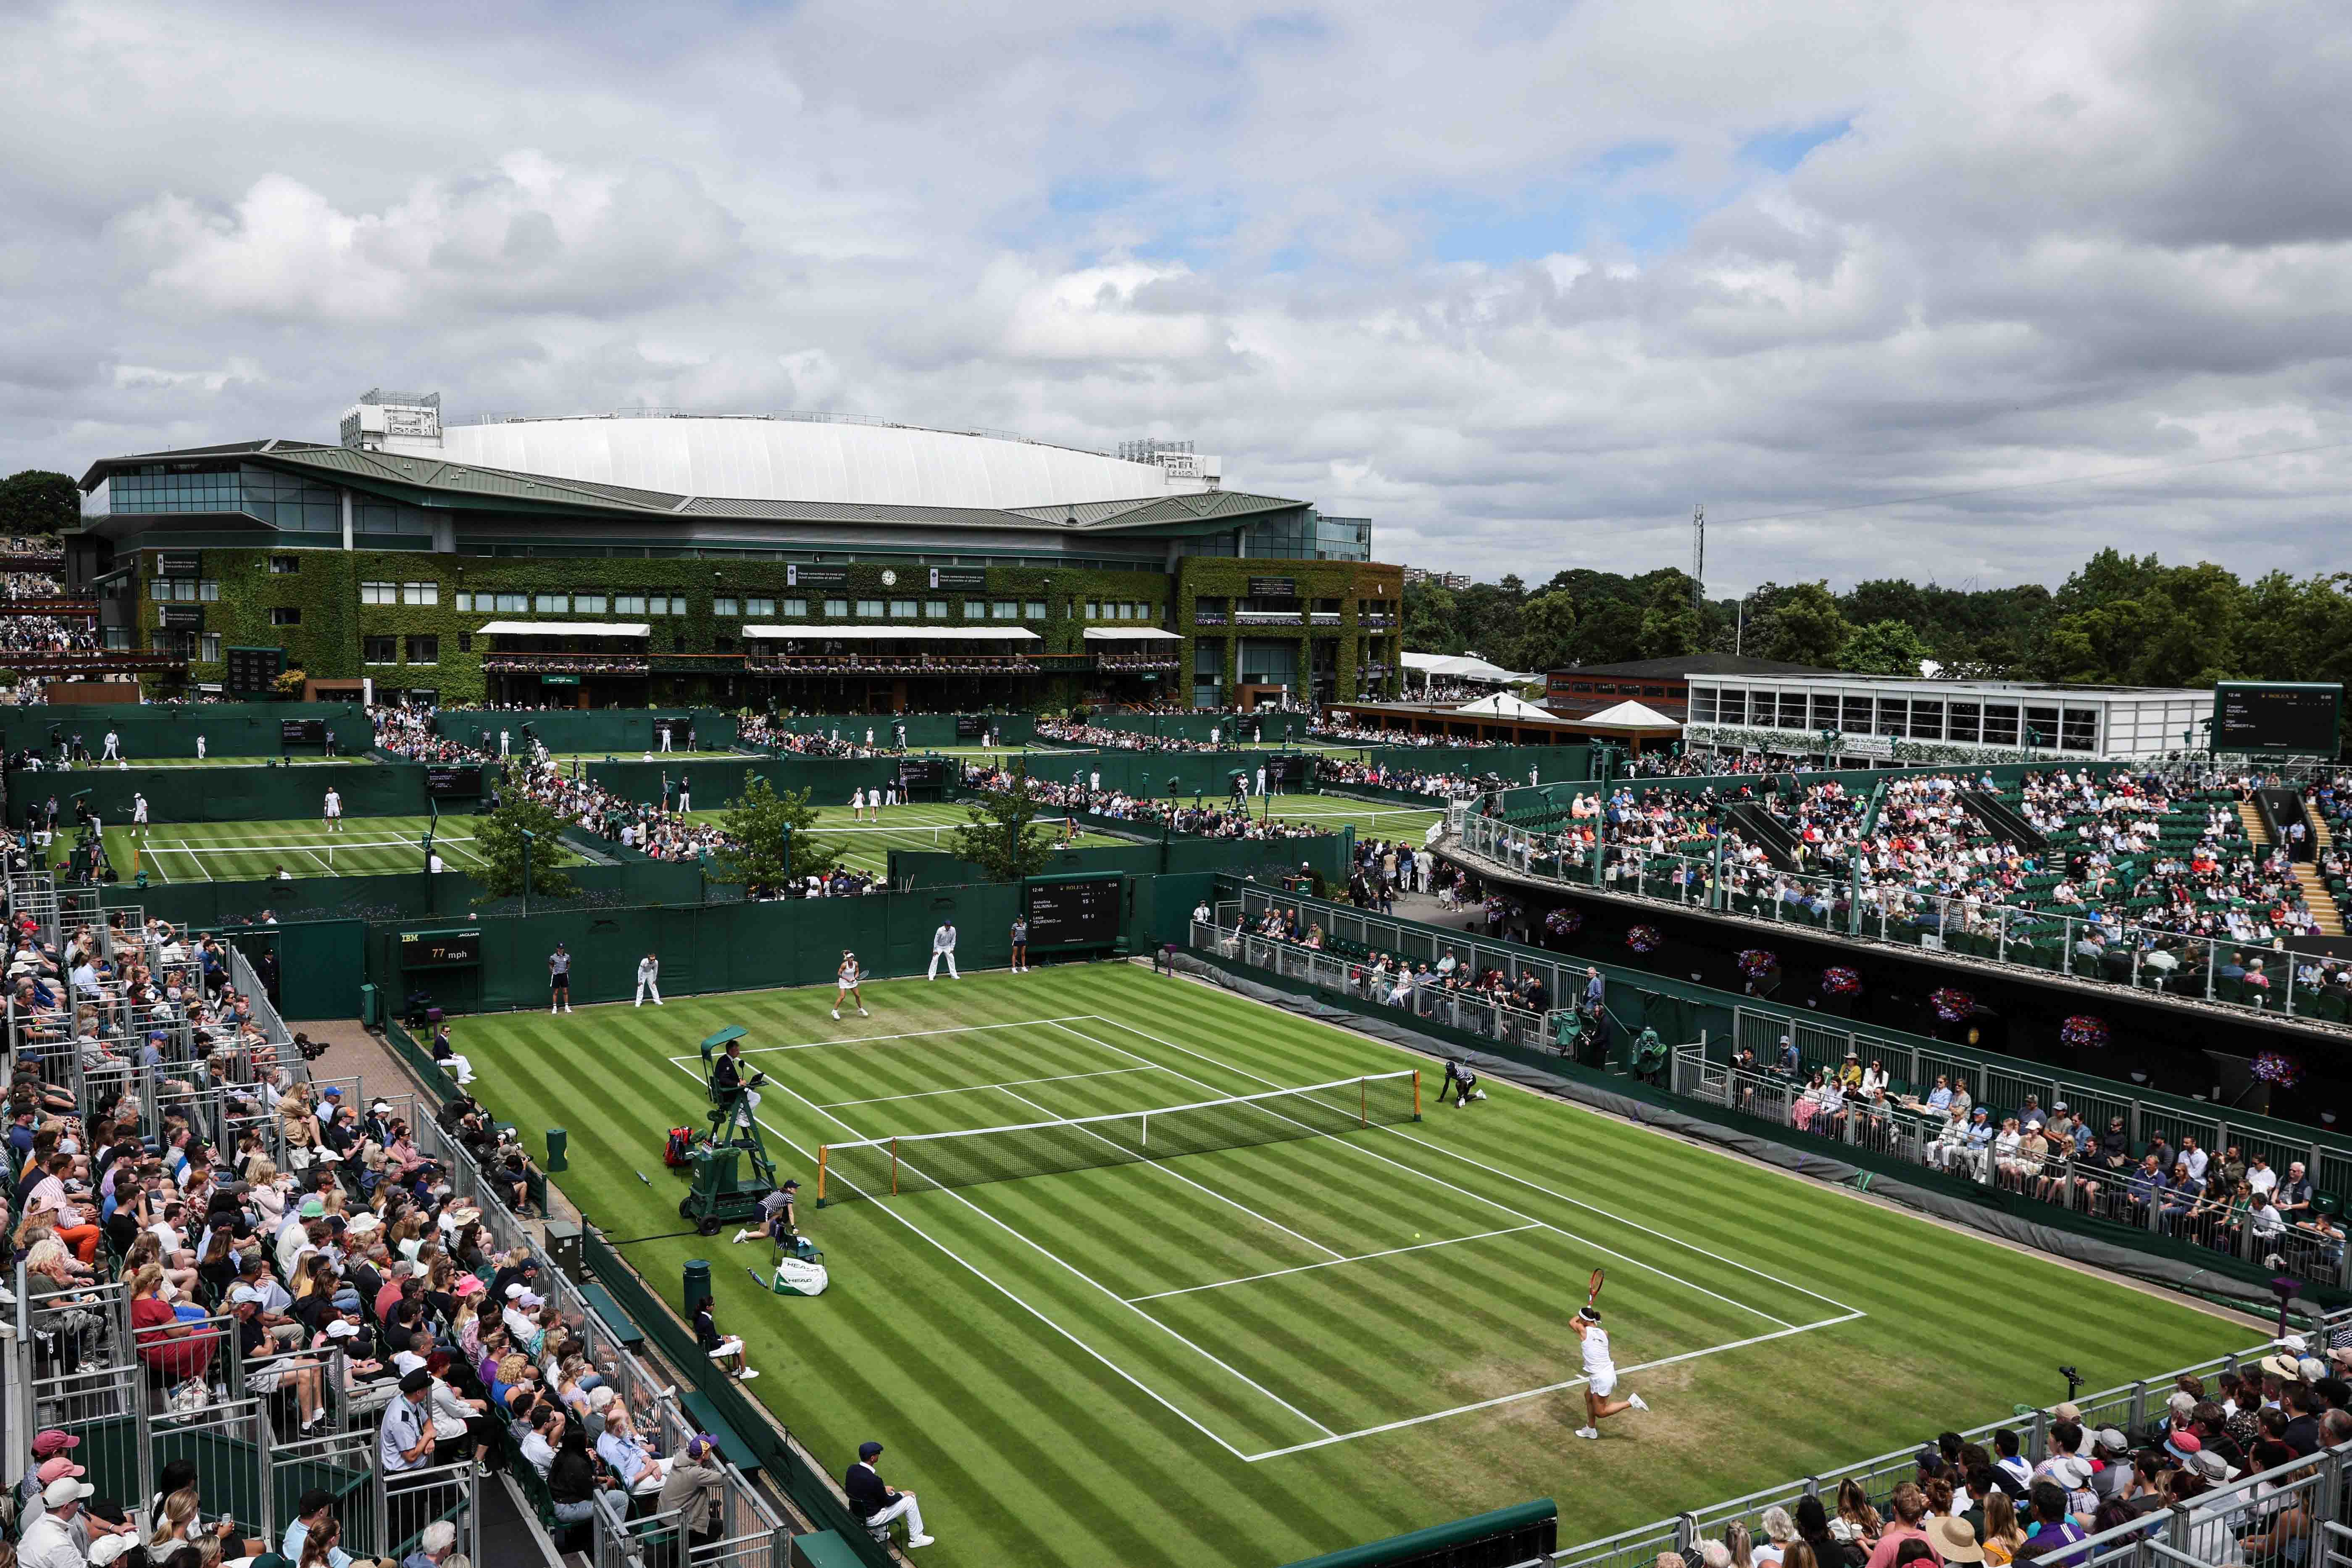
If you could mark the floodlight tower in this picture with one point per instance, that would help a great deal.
(1698, 559)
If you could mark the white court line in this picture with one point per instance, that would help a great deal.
(1336, 1255)
(1538, 1393)
(978, 1087)
(193, 856)
(1523, 1181)
(322, 865)
(1362, 1257)
(872, 1039)
(1138, 1383)
(1081, 1274)
(1440, 1181)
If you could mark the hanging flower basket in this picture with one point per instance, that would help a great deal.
(1951, 1006)
(1645, 939)
(1564, 922)
(1755, 962)
(2278, 1070)
(2083, 1033)
(1838, 981)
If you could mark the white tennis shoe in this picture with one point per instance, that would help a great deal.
(1587, 1432)
(1637, 1402)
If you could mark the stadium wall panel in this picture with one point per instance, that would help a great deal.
(170, 728)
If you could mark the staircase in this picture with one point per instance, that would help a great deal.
(2003, 821)
(1761, 827)
(2323, 904)
(2314, 887)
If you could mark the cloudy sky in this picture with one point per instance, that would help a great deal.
(1520, 281)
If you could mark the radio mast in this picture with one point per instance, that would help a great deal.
(1698, 558)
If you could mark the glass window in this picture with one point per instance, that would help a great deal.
(1731, 706)
(209, 590)
(286, 615)
(208, 646)
(935, 609)
(1702, 704)
(1005, 610)
(1792, 710)
(726, 609)
(628, 603)
(1893, 714)
(2000, 724)
(551, 603)
(869, 607)
(1961, 724)
(465, 602)
(2078, 729)
(974, 610)
(1926, 719)
(1093, 611)
(836, 607)
(511, 603)
(902, 609)
(588, 604)
(379, 650)
(424, 649)
(1856, 715)
(758, 607)
(795, 609)
(1035, 610)
(2041, 727)
(284, 565)
(420, 592)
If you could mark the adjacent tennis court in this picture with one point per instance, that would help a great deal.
(866, 845)
(1369, 818)
(247, 851)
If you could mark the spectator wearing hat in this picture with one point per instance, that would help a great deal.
(47, 1443)
(48, 1541)
(1954, 1541)
(694, 1489)
(875, 1503)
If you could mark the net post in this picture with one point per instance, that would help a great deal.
(820, 1175)
(1416, 1094)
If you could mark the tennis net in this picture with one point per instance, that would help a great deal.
(927, 1161)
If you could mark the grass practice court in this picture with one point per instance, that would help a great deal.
(1243, 1333)
(865, 846)
(240, 851)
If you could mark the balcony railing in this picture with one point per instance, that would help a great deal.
(698, 663)
(1136, 661)
(102, 662)
(1210, 618)
(77, 609)
(871, 663)
(1266, 617)
(1375, 621)
(567, 663)
(1323, 617)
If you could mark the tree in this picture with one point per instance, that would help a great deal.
(1669, 625)
(1883, 647)
(1432, 619)
(760, 825)
(999, 839)
(1545, 638)
(36, 502)
(498, 840)
(1803, 627)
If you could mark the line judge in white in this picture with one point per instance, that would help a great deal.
(648, 979)
(1600, 1375)
(943, 943)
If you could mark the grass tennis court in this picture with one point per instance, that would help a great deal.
(270, 760)
(252, 851)
(1369, 820)
(866, 846)
(1246, 1355)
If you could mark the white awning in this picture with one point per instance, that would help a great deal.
(1629, 716)
(567, 628)
(1461, 666)
(1132, 634)
(1503, 705)
(894, 634)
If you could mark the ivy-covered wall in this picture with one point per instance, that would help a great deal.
(1228, 577)
(328, 643)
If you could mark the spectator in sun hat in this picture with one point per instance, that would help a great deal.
(48, 1541)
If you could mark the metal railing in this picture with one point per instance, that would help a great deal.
(2147, 958)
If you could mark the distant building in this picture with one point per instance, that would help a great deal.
(1860, 719)
(1663, 684)
(1454, 581)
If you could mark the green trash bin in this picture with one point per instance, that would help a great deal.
(558, 1139)
(697, 1282)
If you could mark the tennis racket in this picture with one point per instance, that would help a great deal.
(1593, 1291)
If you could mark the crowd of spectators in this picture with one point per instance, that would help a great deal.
(1399, 981)
(32, 584)
(1336, 728)
(1200, 819)
(759, 732)
(1411, 781)
(49, 634)
(1102, 739)
(409, 731)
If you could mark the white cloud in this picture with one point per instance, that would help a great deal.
(1514, 281)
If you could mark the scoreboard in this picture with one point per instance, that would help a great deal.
(301, 731)
(452, 781)
(1076, 911)
(2276, 716)
(922, 772)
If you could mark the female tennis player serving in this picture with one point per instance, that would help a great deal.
(1600, 1371)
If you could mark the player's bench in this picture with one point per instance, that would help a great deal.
(600, 1301)
(707, 1419)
